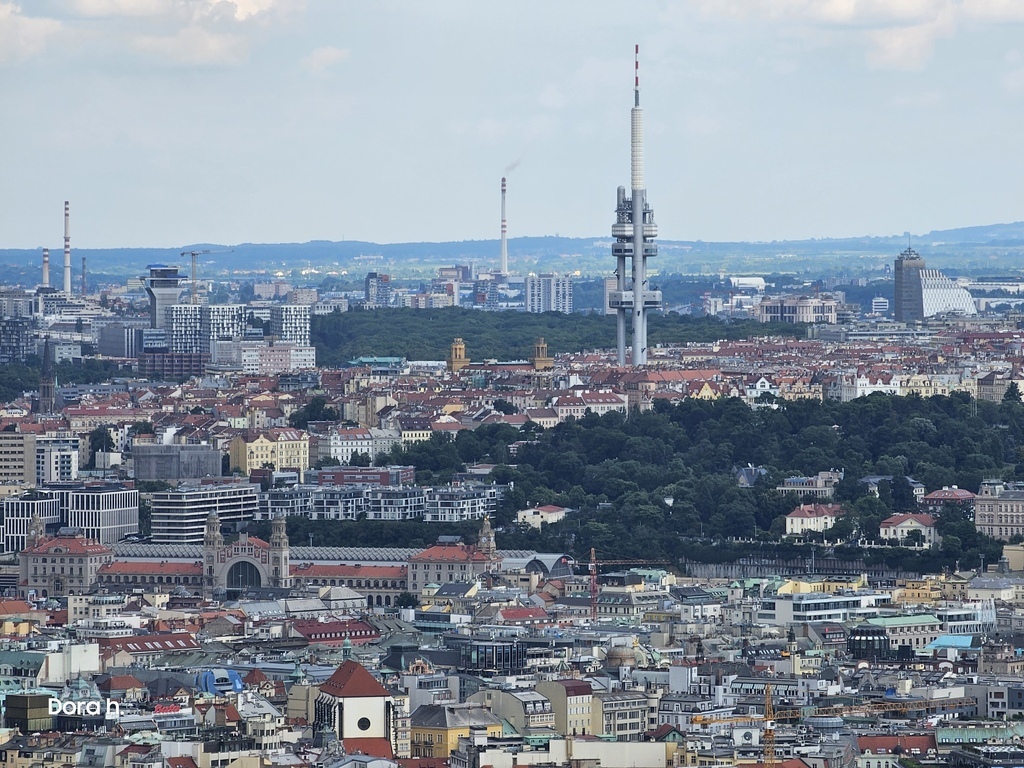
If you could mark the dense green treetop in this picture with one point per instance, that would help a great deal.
(662, 483)
(426, 334)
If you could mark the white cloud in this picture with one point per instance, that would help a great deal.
(908, 47)
(194, 45)
(323, 58)
(23, 36)
(130, 8)
(194, 10)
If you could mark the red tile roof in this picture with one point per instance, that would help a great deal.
(68, 545)
(130, 568)
(254, 677)
(341, 571)
(816, 510)
(373, 747)
(120, 683)
(886, 744)
(336, 632)
(926, 520)
(350, 681)
(140, 644)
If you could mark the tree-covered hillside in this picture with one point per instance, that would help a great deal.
(661, 483)
(426, 334)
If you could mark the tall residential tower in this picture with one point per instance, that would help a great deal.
(634, 231)
(908, 298)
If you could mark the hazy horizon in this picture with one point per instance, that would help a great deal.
(175, 122)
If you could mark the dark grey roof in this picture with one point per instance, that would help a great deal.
(452, 716)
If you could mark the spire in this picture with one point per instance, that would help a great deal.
(36, 530)
(47, 381)
(213, 537)
(637, 131)
(485, 542)
(278, 533)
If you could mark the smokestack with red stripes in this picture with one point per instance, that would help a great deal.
(67, 249)
(46, 267)
(504, 232)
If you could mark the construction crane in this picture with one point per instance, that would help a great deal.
(594, 563)
(195, 268)
(868, 709)
(769, 728)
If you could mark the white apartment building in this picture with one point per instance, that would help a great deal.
(342, 442)
(548, 293)
(400, 502)
(222, 321)
(57, 457)
(318, 502)
(184, 327)
(105, 512)
(18, 512)
(458, 503)
(290, 322)
(339, 502)
(179, 515)
(783, 610)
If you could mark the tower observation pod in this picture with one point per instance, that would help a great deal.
(634, 231)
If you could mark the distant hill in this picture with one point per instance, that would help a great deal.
(564, 254)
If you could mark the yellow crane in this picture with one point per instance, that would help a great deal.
(195, 268)
(769, 728)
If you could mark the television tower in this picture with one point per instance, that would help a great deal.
(634, 231)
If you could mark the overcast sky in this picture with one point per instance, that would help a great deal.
(170, 122)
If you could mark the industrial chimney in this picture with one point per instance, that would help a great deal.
(83, 275)
(504, 232)
(67, 249)
(46, 267)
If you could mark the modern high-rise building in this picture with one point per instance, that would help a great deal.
(922, 293)
(548, 293)
(163, 285)
(16, 343)
(179, 515)
(908, 306)
(377, 287)
(104, 512)
(634, 231)
(57, 457)
(290, 322)
(18, 512)
(193, 328)
(184, 324)
(222, 321)
(940, 295)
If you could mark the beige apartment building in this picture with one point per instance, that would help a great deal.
(571, 703)
(281, 448)
(999, 509)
